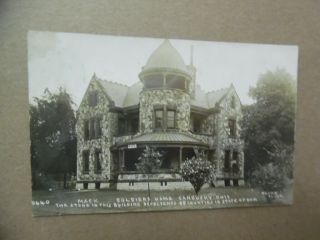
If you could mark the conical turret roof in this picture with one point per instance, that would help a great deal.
(165, 57)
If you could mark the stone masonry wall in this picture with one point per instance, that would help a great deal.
(224, 141)
(108, 127)
(176, 98)
(208, 126)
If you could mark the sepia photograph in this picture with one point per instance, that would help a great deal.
(131, 124)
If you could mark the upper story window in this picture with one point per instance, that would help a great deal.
(158, 122)
(197, 122)
(233, 102)
(153, 81)
(232, 124)
(134, 125)
(161, 81)
(235, 155)
(92, 128)
(164, 118)
(86, 129)
(93, 98)
(177, 82)
(121, 125)
(128, 123)
(171, 115)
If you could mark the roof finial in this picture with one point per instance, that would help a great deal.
(191, 55)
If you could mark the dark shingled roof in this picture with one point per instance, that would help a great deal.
(115, 91)
(164, 57)
(125, 96)
(165, 137)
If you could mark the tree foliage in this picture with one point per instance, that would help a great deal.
(52, 132)
(197, 171)
(149, 161)
(268, 124)
(270, 177)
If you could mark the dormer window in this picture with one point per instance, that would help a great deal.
(93, 99)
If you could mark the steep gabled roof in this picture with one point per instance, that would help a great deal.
(216, 96)
(125, 96)
(133, 94)
(200, 99)
(208, 99)
(115, 91)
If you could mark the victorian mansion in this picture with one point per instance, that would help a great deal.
(167, 110)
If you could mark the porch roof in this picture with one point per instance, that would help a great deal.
(165, 138)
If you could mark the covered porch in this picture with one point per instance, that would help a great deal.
(174, 147)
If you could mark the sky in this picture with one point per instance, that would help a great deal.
(70, 59)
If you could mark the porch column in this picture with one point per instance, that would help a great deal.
(121, 158)
(180, 157)
(124, 157)
(119, 162)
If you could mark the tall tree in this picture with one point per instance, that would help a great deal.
(268, 124)
(52, 132)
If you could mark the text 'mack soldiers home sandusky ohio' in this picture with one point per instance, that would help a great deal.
(167, 110)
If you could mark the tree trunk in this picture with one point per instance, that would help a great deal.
(64, 180)
(149, 189)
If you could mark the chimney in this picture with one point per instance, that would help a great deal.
(192, 71)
